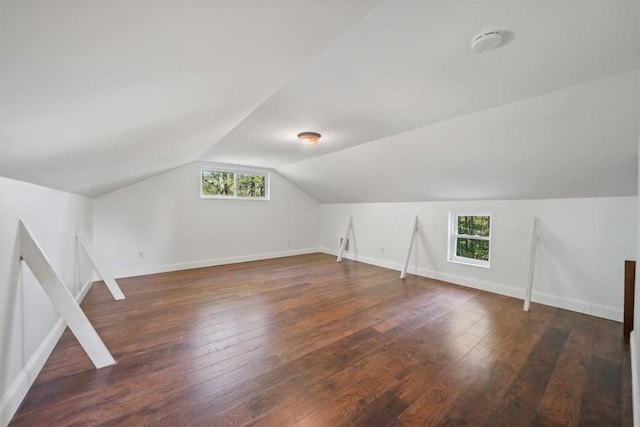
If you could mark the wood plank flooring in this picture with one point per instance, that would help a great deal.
(303, 341)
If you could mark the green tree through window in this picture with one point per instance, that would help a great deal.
(216, 183)
(231, 185)
(251, 185)
(470, 239)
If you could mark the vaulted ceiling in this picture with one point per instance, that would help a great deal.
(98, 95)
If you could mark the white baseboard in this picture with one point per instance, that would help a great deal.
(579, 306)
(597, 310)
(635, 386)
(17, 391)
(164, 268)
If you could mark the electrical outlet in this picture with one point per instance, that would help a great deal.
(381, 249)
(288, 242)
(141, 254)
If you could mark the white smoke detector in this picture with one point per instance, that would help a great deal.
(486, 40)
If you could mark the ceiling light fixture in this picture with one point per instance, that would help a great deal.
(309, 138)
(487, 40)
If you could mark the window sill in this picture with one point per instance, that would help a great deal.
(260, 199)
(471, 263)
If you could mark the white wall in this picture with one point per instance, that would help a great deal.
(165, 218)
(580, 260)
(29, 325)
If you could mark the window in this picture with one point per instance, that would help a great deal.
(470, 238)
(229, 184)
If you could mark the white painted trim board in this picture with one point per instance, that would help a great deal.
(10, 402)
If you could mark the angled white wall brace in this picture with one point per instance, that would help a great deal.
(99, 264)
(414, 231)
(62, 300)
(532, 265)
(344, 240)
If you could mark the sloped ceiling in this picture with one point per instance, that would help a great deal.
(97, 95)
(577, 142)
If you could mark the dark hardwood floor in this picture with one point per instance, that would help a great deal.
(306, 341)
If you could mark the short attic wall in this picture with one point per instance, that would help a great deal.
(581, 250)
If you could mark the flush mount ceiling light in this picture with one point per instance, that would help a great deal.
(309, 138)
(487, 40)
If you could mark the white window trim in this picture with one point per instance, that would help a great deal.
(236, 172)
(453, 236)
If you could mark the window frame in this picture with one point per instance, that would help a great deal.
(236, 172)
(452, 245)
